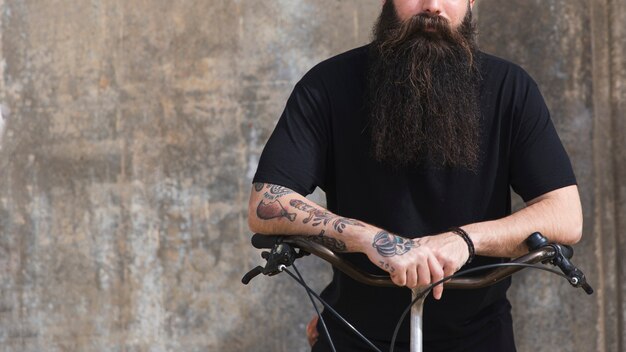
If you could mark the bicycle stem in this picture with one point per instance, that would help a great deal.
(417, 315)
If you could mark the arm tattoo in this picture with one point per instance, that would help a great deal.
(318, 216)
(389, 245)
(258, 186)
(274, 192)
(315, 215)
(340, 224)
(279, 191)
(333, 244)
(272, 210)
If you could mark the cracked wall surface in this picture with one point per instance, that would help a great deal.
(130, 131)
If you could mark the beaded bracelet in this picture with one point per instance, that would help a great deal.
(470, 245)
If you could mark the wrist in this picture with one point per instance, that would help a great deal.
(479, 238)
(366, 239)
(360, 238)
(468, 241)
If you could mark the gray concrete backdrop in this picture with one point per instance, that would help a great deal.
(130, 131)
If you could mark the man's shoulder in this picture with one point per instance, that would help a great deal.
(356, 54)
(350, 62)
(494, 68)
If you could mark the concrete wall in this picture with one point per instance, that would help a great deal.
(131, 131)
(576, 50)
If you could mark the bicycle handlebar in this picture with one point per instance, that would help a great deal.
(282, 253)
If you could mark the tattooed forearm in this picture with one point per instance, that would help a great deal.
(340, 224)
(389, 245)
(333, 244)
(317, 216)
(273, 210)
(300, 205)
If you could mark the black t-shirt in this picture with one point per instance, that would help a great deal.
(322, 140)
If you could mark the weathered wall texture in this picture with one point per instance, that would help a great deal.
(576, 50)
(131, 131)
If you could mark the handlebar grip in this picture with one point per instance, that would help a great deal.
(261, 241)
(537, 240)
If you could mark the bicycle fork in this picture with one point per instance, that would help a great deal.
(417, 311)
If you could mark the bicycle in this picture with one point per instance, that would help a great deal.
(284, 250)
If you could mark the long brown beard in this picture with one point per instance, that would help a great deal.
(423, 91)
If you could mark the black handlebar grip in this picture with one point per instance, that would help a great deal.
(264, 241)
(536, 241)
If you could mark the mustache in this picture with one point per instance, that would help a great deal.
(417, 26)
(423, 27)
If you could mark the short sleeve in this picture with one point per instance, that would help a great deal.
(295, 156)
(539, 163)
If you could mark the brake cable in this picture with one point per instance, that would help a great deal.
(332, 311)
(308, 291)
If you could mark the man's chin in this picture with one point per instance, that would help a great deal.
(432, 35)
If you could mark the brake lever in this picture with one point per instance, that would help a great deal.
(576, 276)
(251, 274)
(280, 256)
(561, 259)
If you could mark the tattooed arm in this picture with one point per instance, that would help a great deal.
(275, 209)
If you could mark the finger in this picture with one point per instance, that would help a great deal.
(411, 278)
(399, 277)
(436, 272)
(423, 273)
(449, 270)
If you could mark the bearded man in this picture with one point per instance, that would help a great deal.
(417, 139)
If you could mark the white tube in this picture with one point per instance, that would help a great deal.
(416, 322)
